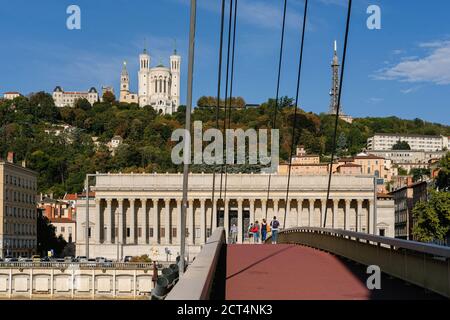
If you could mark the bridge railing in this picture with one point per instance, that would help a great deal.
(82, 265)
(425, 265)
(197, 282)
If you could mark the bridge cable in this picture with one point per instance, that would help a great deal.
(226, 95)
(280, 62)
(231, 88)
(294, 121)
(218, 108)
(347, 28)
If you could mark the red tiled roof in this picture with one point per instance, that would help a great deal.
(71, 196)
(370, 156)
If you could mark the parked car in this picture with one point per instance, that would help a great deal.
(22, 259)
(45, 259)
(36, 258)
(127, 259)
(69, 259)
(100, 260)
(82, 259)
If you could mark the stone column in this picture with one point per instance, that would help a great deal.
(240, 220)
(288, 213)
(264, 209)
(156, 221)
(214, 216)
(370, 217)
(179, 204)
(335, 213)
(202, 221)
(347, 214)
(311, 211)
(108, 220)
(226, 219)
(358, 215)
(119, 236)
(191, 222)
(98, 221)
(322, 213)
(252, 210)
(133, 221)
(168, 234)
(146, 222)
(299, 211)
(275, 209)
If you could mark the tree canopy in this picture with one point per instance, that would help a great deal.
(63, 160)
(401, 145)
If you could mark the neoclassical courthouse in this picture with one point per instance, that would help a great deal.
(135, 214)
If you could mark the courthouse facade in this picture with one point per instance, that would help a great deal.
(135, 214)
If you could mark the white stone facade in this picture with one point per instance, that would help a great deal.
(135, 214)
(385, 141)
(159, 87)
(68, 99)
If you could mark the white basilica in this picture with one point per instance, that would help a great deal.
(159, 86)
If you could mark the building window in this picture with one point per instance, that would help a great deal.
(150, 232)
(162, 232)
(139, 232)
(174, 232)
(197, 233)
(63, 229)
(128, 232)
(382, 232)
(89, 232)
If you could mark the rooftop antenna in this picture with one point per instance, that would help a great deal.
(175, 46)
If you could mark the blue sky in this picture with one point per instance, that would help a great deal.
(402, 69)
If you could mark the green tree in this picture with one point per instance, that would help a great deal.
(419, 173)
(432, 217)
(47, 239)
(401, 145)
(443, 178)
(83, 104)
(109, 97)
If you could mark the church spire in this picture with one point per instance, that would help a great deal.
(124, 69)
(145, 45)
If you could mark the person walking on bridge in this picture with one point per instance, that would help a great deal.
(274, 225)
(263, 230)
(234, 234)
(256, 230)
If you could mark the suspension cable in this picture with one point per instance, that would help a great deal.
(333, 151)
(231, 87)
(226, 93)
(218, 107)
(294, 121)
(280, 62)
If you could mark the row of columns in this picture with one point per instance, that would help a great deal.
(105, 229)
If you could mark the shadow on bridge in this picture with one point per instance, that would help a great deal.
(293, 272)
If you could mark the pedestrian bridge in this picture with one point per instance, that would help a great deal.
(315, 263)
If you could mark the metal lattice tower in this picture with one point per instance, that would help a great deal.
(334, 92)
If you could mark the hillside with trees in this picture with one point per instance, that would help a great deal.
(63, 160)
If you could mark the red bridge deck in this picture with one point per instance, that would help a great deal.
(289, 272)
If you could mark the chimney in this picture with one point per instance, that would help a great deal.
(10, 157)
